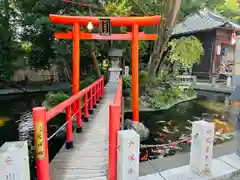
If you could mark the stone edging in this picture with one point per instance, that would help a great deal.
(223, 168)
(166, 107)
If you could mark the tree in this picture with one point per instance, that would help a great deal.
(8, 44)
(164, 33)
(185, 51)
(230, 9)
(173, 11)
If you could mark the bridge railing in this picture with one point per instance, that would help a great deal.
(72, 107)
(115, 110)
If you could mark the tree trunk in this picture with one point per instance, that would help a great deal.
(164, 33)
(94, 58)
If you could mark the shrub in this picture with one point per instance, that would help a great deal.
(54, 99)
(191, 92)
(127, 82)
(143, 79)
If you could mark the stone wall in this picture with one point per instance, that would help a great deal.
(36, 75)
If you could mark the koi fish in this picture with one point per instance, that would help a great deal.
(219, 122)
(170, 124)
(161, 122)
(162, 134)
(144, 158)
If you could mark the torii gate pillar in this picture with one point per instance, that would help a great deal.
(135, 69)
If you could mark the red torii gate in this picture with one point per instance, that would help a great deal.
(135, 36)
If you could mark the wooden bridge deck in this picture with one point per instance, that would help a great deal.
(89, 157)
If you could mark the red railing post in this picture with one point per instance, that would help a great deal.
(91, 101)
(114, 127)
(86, 107)
(95, 96)
(41, 143)
(102, 85)
(79, 116)
(100, 88)
(96, 86)
(69, 138)
(98, 91)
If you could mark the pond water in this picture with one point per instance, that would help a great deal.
(169, 126)
(16, 124)
(17, 110)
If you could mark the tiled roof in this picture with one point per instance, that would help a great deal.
(202, 20)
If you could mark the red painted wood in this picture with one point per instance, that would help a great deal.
(69, 137)
(42, 165)
(114, 127)
(41, 116)
(79, 113)
(86, 105)
(115, 21)
(90, 36)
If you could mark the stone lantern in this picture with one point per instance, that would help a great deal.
(116, 64)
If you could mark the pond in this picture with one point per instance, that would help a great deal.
(170, 130)
(16, 124)
(15, 113)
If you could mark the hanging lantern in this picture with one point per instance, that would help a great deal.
(90, 26)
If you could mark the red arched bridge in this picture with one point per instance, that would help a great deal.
(88, 157)
(94, 152)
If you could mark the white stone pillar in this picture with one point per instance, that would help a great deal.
(202, 147)
(126, 70)
(229, 81)
(128, 155)
(14, 161)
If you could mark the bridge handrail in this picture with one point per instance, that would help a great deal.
(115, 110)
(41, 118)
(62, 106)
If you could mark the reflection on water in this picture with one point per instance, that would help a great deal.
(16, 124)
(171, 126)
(3, 120)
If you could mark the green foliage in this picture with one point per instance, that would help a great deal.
(169, 96)
(190, 91)
(87, 81)
(230, 9)
(143, 79)
(34, 41)
(164, 98)
(127, 82)
(105, 67)
(186, 51)
(117, 8)
(54, 99)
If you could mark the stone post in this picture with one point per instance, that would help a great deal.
(229, 81)
(14, 161)
(126, 70)
(227, 102)
(214, 79)
(202, 147)
(128, 155)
